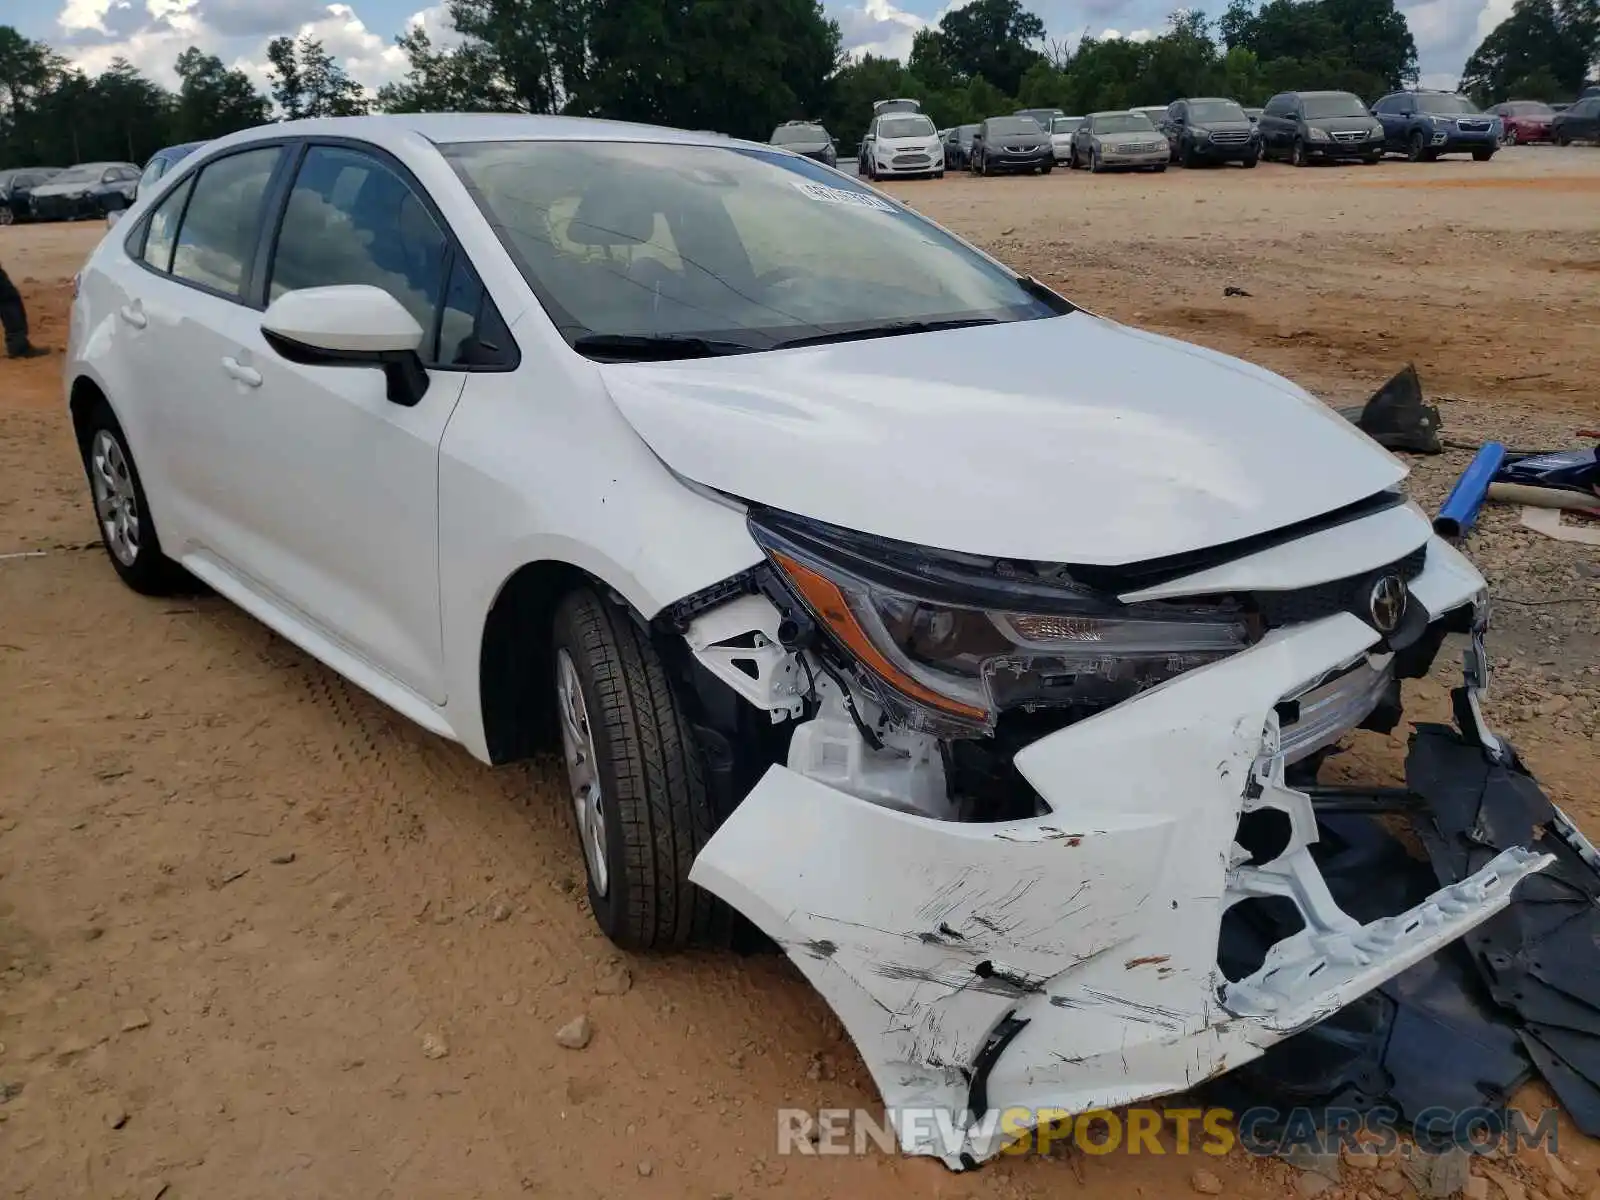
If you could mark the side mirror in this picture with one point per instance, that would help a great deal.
(350, 325)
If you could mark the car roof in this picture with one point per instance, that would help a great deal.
(178, 150)
(1115, 112)
(1323, 92)
(443, 128)
(1210, 100)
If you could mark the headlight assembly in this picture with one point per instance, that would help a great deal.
(949, 640)
(1318, 135)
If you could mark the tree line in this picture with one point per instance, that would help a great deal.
(743, 66)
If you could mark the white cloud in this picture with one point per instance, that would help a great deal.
(151, 34)
(877, 27)
(1133, 35)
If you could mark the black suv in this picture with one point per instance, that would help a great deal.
(1010, 144)
(808, 138)
(16, 188)
(1301, 126)
(1424, 125)
(1210, 130)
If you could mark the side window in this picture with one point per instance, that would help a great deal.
(163, 225)
(471, 331)
(156, 168)
(1383, 106)
(1176, 111)
(218, 238)
(351, 219)
(1275, 107)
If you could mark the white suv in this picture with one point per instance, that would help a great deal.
(764, 499)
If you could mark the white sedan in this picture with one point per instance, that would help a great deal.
(764, 499)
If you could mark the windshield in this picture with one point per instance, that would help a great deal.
(1446, 105)
(1012, 126)
(85, 174)
(1340, 104)
(1123, 123)
(1065, 124)
(1529, 108)
(1216, 110)
(908, 126)
(649, 241)
(788, 135)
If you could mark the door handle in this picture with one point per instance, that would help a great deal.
(133, 315)
(248, 376)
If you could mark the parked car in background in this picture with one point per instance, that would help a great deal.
(1580, 123)
(901, 143)
(163, 161)
(1045, 116)
(1061, 131)
(1591, 90)
(1524, 121)
(1108, 140)
(86, 190)
(958, 147)
(1422, 125)
(1301, 126)
(16, 191)
(809, 139)
(1155, 112)
(1210, 130)
(1011, 144)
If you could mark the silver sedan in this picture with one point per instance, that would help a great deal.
(1114, 140)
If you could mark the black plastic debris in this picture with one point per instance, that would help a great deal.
(1429, 1037)
(1397, 418)
(1540, 958)
(1466, 1027)
(1564, 470)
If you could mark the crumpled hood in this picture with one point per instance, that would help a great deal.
(1069, 439)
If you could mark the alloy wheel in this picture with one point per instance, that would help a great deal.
(583, 776)
(115, 502)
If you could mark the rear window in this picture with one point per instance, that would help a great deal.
(788, 135)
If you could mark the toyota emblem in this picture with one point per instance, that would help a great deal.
(1387, 603)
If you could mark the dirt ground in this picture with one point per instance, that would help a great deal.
(261, 938)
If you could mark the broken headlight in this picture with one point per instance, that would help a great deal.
(958, 638)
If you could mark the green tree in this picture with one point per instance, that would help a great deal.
(995, 39)
(307, 82)
(1540, 52)
(212, 100)
(464, 79)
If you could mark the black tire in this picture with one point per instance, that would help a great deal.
(1482, 155)
(657, 807)
(1562, 138)
(1297, 154)
(1047, 168)
(1095, 165)
(1159, 168)
(1372, 159)
(1416, 148)
(1250, 161)
(7, 217)
(1186, 155)
(148, 571)
(938, 174)
(1072, 158)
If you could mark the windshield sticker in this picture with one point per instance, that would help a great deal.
(833, 195)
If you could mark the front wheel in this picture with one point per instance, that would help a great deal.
(1483, 155)
(1159, 168)
(1372, 159)
(1416, 148)
(1562, 138)
(1186, 155)
(1250, 161)
(1297, 153)
(640, 801)
(1509, 137)
(127, 529)
(1095, 165)
(1047, 168)
(939, 174)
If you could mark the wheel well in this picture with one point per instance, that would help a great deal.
(86, 396)
(514, 667)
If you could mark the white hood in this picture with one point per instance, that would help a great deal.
(1070, 439)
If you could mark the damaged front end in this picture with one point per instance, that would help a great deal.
(1003, 809)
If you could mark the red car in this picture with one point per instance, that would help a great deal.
(1524, 121)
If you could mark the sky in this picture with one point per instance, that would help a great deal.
(360, 33)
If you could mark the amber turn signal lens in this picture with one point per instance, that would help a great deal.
(828, 604)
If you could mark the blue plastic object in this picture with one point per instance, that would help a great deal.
(1460, 507)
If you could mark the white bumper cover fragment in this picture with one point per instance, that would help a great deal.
(1069, 962)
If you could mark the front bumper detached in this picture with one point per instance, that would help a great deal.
(1069, 962)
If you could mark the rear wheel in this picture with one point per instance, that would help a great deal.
(127, 529)
(640, 802)
(1186, 155)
